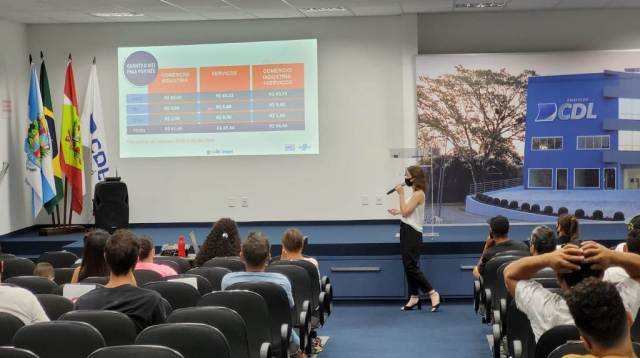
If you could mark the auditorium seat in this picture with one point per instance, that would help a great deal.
(174, 265)
(145, 276)
(59, 259)
(489, 281)
(59, 339)
(204, 286)
(183, 264)
(232, 263)
(253, 309)
(17, 266)
(554, 338)
(101, 280)
(60, 289)
(279, 313)
(9, 325)
(35, 284)
(54, 305)
(178, 294)
(519, 333)
(136, 351)
(213, 274)
(116, 327)
(192, 340)
(13, 352)
(301, 285)
(6, 256)
(228, 321)
(63, 275)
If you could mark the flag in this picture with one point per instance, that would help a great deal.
(93, 130)
(71, 161)
(55, 160)
(37, 146)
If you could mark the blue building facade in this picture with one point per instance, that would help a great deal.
(583, 132)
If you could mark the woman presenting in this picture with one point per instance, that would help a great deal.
(412, 212)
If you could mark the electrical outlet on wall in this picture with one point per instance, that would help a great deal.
(231, 201)
(244, 202)
(378, 199)
(364, 200)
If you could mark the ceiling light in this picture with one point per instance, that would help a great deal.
(116, 14)
(481, 5)
(323, 9)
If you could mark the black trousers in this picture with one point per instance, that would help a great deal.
(410, 245)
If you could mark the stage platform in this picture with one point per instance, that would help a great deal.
(608, 201)
(362, 258)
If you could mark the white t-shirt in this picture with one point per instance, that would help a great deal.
(22, 304)
(546, 309)
(615, 274)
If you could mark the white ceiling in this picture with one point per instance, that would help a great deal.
(73, 11)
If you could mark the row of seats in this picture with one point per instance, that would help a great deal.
(511, 329)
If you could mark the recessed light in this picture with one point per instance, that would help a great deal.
(323, 9)
(116, 14)
(481, 5)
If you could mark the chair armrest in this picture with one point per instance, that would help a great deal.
(497, 318)
(328, 299)
(487, 304)
(503, 314)
(285, 336)
(497, 340)
(517, 349)
(322, 313)
(324, 281)
(265, 350)
(305, 329)
(476, 295)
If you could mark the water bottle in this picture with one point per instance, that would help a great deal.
(182, 252)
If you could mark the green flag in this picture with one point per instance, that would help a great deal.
(48, 114)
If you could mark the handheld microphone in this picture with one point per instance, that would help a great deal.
(394, 189)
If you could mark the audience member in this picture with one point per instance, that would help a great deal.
(632, 244)
(546, 309)
(292, 247)
(633, 224)
(93, 263)
(567, 228)
(145, 258)
(21, 303)
(45, 269)
(601, 318)
(498, 241)
(542, 240)
(144, 307)
(256, 254)
(223, 240)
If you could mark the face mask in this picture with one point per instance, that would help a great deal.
(407, 181)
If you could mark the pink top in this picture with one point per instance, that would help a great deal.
(163, 270)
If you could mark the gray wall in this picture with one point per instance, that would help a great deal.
(566, 30)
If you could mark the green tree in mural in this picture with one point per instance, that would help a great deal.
(479, 113)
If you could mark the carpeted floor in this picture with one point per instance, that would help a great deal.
(381, 330)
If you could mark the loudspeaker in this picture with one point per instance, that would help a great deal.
(111, 205)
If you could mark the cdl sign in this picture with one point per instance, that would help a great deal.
(548, 112)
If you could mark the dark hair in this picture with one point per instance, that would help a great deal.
(223, 240)
(543, 240)
(255, 249)
(146, 246)
(634, 223)
(121, 252)
(633, 241)
(575, 277)
(292, 240)
(419, 179)
(569, 226)
(598, 311)
(93, 263)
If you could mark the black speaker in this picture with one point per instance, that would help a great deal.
(111, 205)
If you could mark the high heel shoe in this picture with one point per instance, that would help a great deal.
(434, 308)
(410, 308)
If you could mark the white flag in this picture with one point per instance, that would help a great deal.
(93, 131)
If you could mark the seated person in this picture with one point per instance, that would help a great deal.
(633, 224)
(145, 258)
(21, 303)
(144, 307)
(222, 241)
(572, 264)
(92, 263)
(292, 247)
(567, 229)
(601, 318)
(498, 241)
(256, 254)
(542, 240)
(45, 269)
(632, 245)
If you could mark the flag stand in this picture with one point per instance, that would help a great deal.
(63, 228)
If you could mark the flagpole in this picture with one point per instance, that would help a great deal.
(65, 200)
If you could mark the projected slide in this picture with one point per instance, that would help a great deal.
(254, 98)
